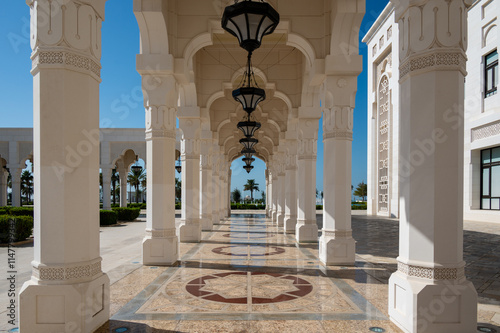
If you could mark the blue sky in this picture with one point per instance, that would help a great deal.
(121, 104)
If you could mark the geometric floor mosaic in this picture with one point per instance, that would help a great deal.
(245, 269)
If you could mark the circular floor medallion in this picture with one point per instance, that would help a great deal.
(235, 287)
(243, 251)
(257, 235)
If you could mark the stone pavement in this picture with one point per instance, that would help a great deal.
(247, 276)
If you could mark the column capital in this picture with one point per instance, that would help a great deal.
(190, 148)
(338, 123)
(433, 35)
(308, 149)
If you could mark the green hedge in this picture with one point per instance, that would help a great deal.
(127, 214)
(107, 217)
(359, 206)
(247, 206)
(319, 207)
(23, 228)
(137, 205)
(178, 205)
(16, 211)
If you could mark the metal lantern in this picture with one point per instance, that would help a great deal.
(248, 168)
(249, 127)
(249, 22)
(249, 143)
(136, 168)
(248, 152)
(248, 161)
(248, 95)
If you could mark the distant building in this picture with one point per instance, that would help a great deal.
(481, 120)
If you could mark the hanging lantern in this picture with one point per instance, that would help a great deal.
(178, 167)
(248, 152)
(248, 161)
(136, 168)
(249, 127)
(249, 22)
(249, 143)
(248, 95)
(248, 168)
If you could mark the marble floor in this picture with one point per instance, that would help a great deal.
(248, 276)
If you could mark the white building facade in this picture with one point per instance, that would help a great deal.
(481, 117)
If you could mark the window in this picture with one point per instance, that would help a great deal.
(490, 178)
(491, 74)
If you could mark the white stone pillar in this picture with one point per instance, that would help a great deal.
(216, 185)
(123, 174)
(269, 194)
(291, 189)
(4, 174)
(228, 192)
(160, 245)
(336, 246)
(276, 188)
(306, 229)
(15, 174)
(206, 186)
(190, 227)
(280, 215)
(429, 292)
(68, 290)
(106, 187)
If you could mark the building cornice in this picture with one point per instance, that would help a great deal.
(383, 17)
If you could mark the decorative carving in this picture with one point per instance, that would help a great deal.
(485, 131)
(389, 33)
(57, 59)
(65, 273)
(160, 118)
(337, 233)
(432, 24)
(435, 61)
(338, 123)
(437, 273)
(384, 140)
(342, 83)
(307, 149)
(164, 233)
(66, 23)
(190, 148)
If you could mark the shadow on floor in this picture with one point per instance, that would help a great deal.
(117, 326)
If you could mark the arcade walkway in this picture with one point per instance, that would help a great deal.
(246, 276)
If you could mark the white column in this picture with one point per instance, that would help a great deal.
(68, 290)
(160, 245)
(269, 194)
(216, 184)
(15, 174)
(306, 229)
(106, 187)
(276, 189)
(429, 292)
(336, 246)
(280, 215)
(123, 174)
(206, 186)
(190, 227)
(4, 174)
(228, 192)
(291, 190)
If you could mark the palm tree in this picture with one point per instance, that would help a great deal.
(144, 184)
(361, 191)
(115, 177)
(251, 186)
(134, 179)
(27, 185)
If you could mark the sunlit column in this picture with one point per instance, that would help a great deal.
(106, 188)
(206, 185)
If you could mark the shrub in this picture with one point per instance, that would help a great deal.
(137, 205)
(247, 206)
(115, 205)
(178, 205)
(17, 211)
(23, 228)
(108, 217)
(359, 206)
(319, 207)
(127, 214)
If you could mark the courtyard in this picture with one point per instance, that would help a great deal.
(248, 276)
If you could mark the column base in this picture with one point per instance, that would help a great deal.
(190, 231)
(421, 305)
(337, 250)
(206, 223)
(274, 216)
(306, 232)
(215, 218)
(160, 251)
(79, 307)
(280, 219)
(290, 223)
